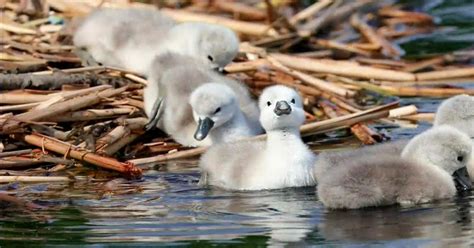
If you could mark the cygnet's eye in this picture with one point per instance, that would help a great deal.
(269, 103)
(460, 158)
(217, 110)
(210, 58)
(293, 101)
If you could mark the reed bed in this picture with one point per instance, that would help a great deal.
(57, 115)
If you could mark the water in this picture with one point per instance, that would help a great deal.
(167, 207)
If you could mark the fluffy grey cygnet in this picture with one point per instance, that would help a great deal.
(131, 38)
(197, 106)
(280, 161)
(431, 166)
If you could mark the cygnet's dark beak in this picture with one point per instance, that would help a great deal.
(282, 108)
(203, 128)
(462, 180)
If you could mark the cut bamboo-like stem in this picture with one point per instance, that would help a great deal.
(342, 68)
(318, 83)
(62, 107)
(91, 114)
(309, 11)
(252, 65)
(238, 26)
(48, 143)
(33, 179)
(451, 73)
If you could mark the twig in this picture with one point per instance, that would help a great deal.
(127, 169)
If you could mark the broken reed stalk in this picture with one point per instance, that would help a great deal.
(444, 74)
(318, 83)
(387, 48)
(91, 114)
(342, 68)
(309, 11)
(307, 129)
(126, 169)
(33, 179)
(15, 153)
(249, 28)
(60, 108)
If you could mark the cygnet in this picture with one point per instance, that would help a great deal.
(131, 38)
(190, 102)
(431, 166)
(283, 160)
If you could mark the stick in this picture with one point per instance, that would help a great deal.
(60, 108)
(318, 83)
(33, 179)
(309, 11)
(387, 47)
(126, 169)
(445, 74)
(342, 68)
(238, 26)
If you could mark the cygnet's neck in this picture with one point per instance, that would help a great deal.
(283, 137)
(236, 128)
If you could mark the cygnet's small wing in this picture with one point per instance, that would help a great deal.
(329, 160)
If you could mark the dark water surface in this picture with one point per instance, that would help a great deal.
(168, 208)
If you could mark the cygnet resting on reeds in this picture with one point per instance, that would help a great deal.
(131, 38)
(190, 102)
(432, 166)
(283, 160)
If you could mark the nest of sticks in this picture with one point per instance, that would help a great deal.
(56, 115)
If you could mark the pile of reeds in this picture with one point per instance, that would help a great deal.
(338, 54)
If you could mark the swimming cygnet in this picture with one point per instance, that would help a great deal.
(131, 38)
(432, 166)
(283, 160)
(198, 102)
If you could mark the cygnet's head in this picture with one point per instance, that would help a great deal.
(458, 112)
(217, 45)
(445, 147)
(280, 108)
(213, 105)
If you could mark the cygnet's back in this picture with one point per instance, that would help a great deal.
(124, 38)
(426, 171)
(176, 77)
(283, 160)
(329, 160)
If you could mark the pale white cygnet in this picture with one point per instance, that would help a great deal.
(431, 166)
(131, 38)
(199, 106)
(283, 160)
